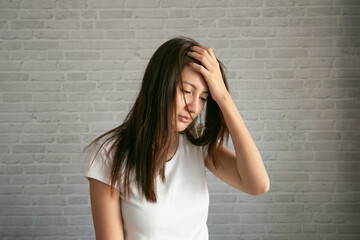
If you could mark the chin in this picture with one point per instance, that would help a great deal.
(181, 127)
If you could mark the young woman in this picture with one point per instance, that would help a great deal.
(147, 176)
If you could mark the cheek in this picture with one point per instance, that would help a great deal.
(179, 100)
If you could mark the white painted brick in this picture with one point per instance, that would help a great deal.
(79, 86)
(17, 24)
(109, 24)
(55, 179)
(4, 149)
(36, 14)
(17, 221)
(13, 159)
(234, 23)
(28, 148)
(284, 228)
(180, 23)
(54, 55)
(52, 34)
(15, 117)
(15, 34)
(149, 34)
(322, 11)
(11, 107)
(30, 179)
(48, 200)
(28, 56)
(246, 3)
(87, 56)
(71, 4)
(114, 55)
(68, 25)
(79, 44)
(247, 43)
(37, 138)
(76, 190)
(243, 12)
(143, 4)
(104, 86)
(38, 66)
(10, 4)
(105, 4)
(40, 128)
(179, 13)
(116, 14)
(207, 12)
(51, 221)
(152, 13)
(45, 4)
(7, 66)
(8, 139)
(96, 117)
(177, 4)
(69, 66)
(73, 127)
(274, 12)
(5, 56)
(108, 65)
(67, 15)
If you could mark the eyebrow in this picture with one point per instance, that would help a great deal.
(195, 87)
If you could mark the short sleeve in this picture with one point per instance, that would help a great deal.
(99, 166)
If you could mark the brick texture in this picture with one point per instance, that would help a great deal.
(70, 70)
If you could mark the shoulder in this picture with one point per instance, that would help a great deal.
(192, 148)
(100, 161)
(99, 154)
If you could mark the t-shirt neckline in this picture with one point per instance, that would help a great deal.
(173, 159)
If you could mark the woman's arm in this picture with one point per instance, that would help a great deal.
(253, 178)
(251, 175)
(106, 211)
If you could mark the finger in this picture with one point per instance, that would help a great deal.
(210, 51)
(199, 69)
(201, 58)
(202, 51)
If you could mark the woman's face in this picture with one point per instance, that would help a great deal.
(195, 91)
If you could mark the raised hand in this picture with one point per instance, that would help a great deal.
(210, 71)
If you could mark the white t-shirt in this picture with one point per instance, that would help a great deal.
(182, 204)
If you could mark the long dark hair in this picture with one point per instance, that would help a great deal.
(140, 144)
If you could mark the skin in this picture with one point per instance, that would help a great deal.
(196, 92)
(243, 170)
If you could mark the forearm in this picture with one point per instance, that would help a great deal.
(249, 162)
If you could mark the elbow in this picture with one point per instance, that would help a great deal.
(262, 189)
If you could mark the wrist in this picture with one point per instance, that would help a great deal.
(224, 99)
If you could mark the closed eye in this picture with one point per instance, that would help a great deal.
(186, 92)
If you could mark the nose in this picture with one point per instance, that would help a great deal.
(193, 105)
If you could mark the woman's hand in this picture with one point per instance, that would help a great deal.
(210, 71)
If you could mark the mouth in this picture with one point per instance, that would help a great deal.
(184, 119)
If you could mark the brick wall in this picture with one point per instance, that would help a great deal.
(70, 70)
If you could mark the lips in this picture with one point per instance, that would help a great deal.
(184, 119)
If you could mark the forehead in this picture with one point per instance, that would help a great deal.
(191, 77)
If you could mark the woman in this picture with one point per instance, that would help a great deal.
(147, 177)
